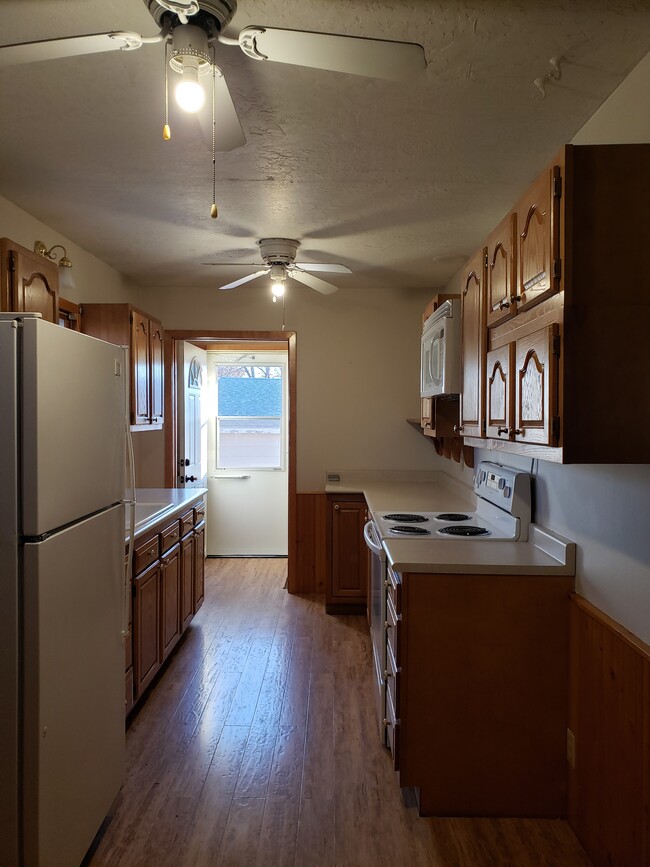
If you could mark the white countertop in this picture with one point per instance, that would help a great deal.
(545, 553)
(155, 504)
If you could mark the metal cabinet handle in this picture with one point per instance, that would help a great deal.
(503, 430)
(337, 508)
(458, 428)
(386, 723)
(514, 298)
(388, 674)
(503, 304)
(520, 432)
(387, 624)
(152, 552)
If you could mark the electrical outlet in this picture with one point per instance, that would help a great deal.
(571, 748)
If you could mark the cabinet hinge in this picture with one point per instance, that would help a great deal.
(555, 427)
(557, 269)
(557, 343)
(557, 187)
(12, 262)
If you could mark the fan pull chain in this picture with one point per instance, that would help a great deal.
(283, 300)
(214, 213)
(166, 131)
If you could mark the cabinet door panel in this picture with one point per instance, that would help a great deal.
(199, 566)
(187, 581)
(170, 576)
(501, 269)
(157, 395)
(140, 390)
(538, 253)
(349, 552)
(146, 626)
(472, 399)
(33, 283)
(536, 388)
(499, 392)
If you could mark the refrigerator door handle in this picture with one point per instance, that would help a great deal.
(130, 504)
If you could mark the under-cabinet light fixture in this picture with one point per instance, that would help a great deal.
(66, 280)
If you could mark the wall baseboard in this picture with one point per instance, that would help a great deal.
(609, 716)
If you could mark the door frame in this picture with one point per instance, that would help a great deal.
(286, 340)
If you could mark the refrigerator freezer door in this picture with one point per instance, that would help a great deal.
(73, 442)
(73, 687)
(9, 597)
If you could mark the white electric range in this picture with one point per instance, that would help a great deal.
(502, 512)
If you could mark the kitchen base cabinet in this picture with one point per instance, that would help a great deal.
(198, 556)
(187, 580)
(477, 693)
(347, 575)
(146, 627)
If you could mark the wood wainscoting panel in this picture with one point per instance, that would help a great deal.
(609, 715)
(311, 543)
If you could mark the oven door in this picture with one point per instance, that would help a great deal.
(377, 620)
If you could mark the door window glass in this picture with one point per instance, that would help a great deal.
(249, 416)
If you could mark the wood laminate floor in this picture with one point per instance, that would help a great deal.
(259, 746)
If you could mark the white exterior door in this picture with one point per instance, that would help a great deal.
(192, 416)
(247, 454)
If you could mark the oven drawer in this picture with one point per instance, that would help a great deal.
(394, 589)
(393, 628)
(393, 676)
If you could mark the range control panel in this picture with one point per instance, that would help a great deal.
(507, 488)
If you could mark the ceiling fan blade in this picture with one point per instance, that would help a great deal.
(377, 58)
(69, 46)
(228, 133)
(320, 266)
(245, 279)
(313, 282)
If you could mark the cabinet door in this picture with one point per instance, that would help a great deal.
(146, 626)
(349, 552)
(538, 272)
(472, 399)
(536, 388)
(170, 597)
(156, 359)
(499, 392)
(199, 566)
(140, 390)
(426, 415)
(501, 270)
(30, 282)
(187, 580)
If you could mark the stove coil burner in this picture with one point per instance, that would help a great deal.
(410, 531)
(459, 530)
(405, 518)
(452, 516)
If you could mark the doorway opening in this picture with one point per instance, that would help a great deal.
(221, 432)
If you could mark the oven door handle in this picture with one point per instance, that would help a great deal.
(371, 537)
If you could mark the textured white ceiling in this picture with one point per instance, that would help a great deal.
(399, 181)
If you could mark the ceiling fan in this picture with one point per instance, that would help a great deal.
(279, 254)
(192, 54)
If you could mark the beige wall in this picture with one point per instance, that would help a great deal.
(94, 280)
(358, 367)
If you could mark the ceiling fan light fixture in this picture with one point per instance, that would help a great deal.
(189, 93)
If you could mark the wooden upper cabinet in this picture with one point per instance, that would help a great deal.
(472, 399)
(538, 266)
(144, 336)
(29, 283)
(140, 369)
(499, 393)
(536, 419)
(501, 271)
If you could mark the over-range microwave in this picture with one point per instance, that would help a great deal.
(440, 351)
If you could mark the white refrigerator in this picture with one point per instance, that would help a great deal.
(62, 435)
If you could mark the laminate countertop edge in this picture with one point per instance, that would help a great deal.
(170, 502)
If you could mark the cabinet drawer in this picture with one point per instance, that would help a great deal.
(145, 553)
(169, 536)
(199, 513)
(187, 522)
(393, 628)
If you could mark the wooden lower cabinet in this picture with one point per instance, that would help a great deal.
(146, 626)
(198, 557)
(347, 580)
(477, 692)
(167, 591)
